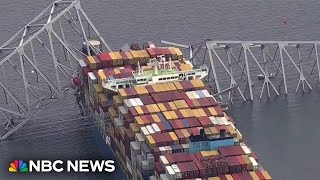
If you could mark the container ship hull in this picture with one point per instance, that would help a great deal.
(159, 118)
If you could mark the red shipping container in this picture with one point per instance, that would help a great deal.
(223, 177)
(158, 168)
(246, 176)
(105, 59)
(190, 103)
(178, 113)
(133, 111)
(174, 124)
(219, 111)
(236, 177)
(150, 89)
(260, 175)
(205, 121)
(146, 100)
(242, 163)
(170, 159)
(231, 151)
(167, 106)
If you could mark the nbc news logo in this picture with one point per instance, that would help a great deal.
(58, 166)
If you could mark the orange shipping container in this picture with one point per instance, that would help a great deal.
(173, 114)
(155, 118)
(266, 175)
(213, 111)
(167, 115)
(196, 113)
(156, 108)
(201, 112)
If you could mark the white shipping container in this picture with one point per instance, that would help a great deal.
(214, 120)
(168, 149)
(224, 120)
(118, 122)
(139, 102)
(219, 121)
(254, 163)
(246, 150)
(163, 177)
(92, 78)
(164, 160)
(170, 172)
(176, 171)
(195, 95)
(239, 134)
(144, 131)
(133, 102)
(162, 150)
(127, 103)
(150, 129)
(190, 95)
(206, 93)
(156, 128)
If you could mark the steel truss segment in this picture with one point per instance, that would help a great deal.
(36, 96)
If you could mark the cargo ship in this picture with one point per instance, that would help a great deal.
(160, 119)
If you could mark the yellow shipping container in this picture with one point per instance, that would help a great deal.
(185, 132)
(197, 83)
(166, 87)
(209, 153)
(229, 177)
(254, 175)
(172, 86)
(139, 110)
(112, 112)
(196, 113)
(174, 137)
(214, 131)
(178, 85)
(232, 131)
(181, 104)
(179, 53)
(134, 127)
(173, 115)
(184, 113)
(116, 100)
(122, 94)
(141, 90)
(214, 178)
(266, 175)
(138, 121)
(213, 111)
(155, 118)
(156, 108)
(116, 71)
(112, 55)
(150, 108)
(172, 105)
(167, 115)
(101, 77)
(103, 99)
(195, 102)
(190, 113)
(173, 53)
(201, 112)
(162, 107)
(151, 142)
(98, 89)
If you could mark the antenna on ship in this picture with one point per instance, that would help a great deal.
(170, 63)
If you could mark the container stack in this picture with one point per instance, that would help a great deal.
(173, 130)
(158, 121)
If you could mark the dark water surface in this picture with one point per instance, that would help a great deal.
(283, 132)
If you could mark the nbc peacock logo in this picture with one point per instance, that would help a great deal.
(18, 166)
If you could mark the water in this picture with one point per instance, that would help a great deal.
(282, 132)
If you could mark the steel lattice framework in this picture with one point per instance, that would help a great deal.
(38, 62)
(234, 63)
